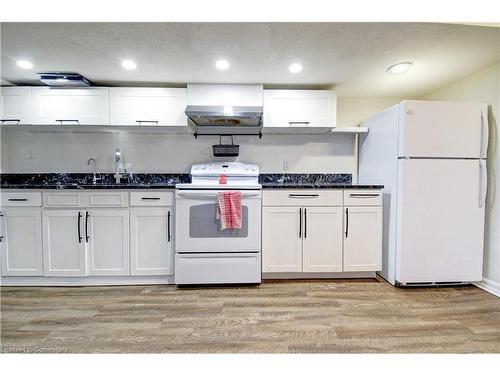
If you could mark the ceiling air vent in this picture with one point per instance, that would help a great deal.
(64, 79)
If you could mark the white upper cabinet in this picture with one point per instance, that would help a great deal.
(15, 105)
(300, 108)
(148, 106)
(75, 106)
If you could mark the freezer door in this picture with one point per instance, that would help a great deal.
(440, 227)
(443, 129)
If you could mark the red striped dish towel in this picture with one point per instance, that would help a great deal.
(229, 211)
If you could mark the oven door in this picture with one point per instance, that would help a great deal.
(198, 230)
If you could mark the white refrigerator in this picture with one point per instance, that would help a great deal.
(431, 158)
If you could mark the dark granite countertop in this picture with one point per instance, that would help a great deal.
(311, 181)
(84, 181)
(169, 180)
(320, 186)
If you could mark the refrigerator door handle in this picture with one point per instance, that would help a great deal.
(483, 183)
(484, 135)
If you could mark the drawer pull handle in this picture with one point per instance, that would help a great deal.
(18, 199)
(17, 121)
(299, 122)
(63, 121)
(150, 198)
(147, 121)
(364, 195)
(303, 195)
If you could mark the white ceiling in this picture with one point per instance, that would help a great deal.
(352, 57)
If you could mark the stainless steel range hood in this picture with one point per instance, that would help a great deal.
(225, 109)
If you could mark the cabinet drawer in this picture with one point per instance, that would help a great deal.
(60, 199)
(151, 198)
(302, 197)
(362, 198)
(20, 199)
(108, 199)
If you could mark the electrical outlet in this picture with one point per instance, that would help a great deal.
(30, 155)
(286, 167)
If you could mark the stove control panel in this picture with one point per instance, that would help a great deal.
(226, 168)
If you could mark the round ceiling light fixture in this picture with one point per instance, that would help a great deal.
(295, 68)
(222, 64)
(129, 64)
(24, 64)
(400, 67)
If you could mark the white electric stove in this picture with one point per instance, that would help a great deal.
(205, 254)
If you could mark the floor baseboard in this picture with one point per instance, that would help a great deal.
(489, 286)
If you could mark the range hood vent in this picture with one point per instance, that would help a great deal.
(226, 116)
(225, 109)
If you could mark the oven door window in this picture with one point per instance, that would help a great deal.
(204, 224)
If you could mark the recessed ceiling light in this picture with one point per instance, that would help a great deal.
(24, 64)
(129, 64)
(295, 68)
(399, 67)
(222, 64)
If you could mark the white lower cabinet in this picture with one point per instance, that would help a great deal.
(21, 241)
(151, 241)
(64, 251)
(320, 234)
(363, 238)
(302, 239)
(107, 239)
(322, 240)
(281, 239)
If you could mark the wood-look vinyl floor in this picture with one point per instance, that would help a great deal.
(281, 317)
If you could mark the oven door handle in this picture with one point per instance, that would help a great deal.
(214, 194)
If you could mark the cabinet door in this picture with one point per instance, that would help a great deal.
(148, 106)
(15, 105)
(299, 108)
(64, 243)
(106, 234)
(281, 239)
(151, 241)
(55, 106)
(21, 242)
(322, 239)
(363, 238)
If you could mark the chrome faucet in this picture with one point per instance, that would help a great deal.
(94, 178)
(118, 175)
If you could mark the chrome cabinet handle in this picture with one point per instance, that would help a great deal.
(147, 121)
(299, 122)
(18, 199)
(367, 195)
(150, 198)
(61, 122)
(303, 195)
(17, 121)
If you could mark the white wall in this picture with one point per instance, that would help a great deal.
(68, 152)
(171, 153)
(484, 86)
